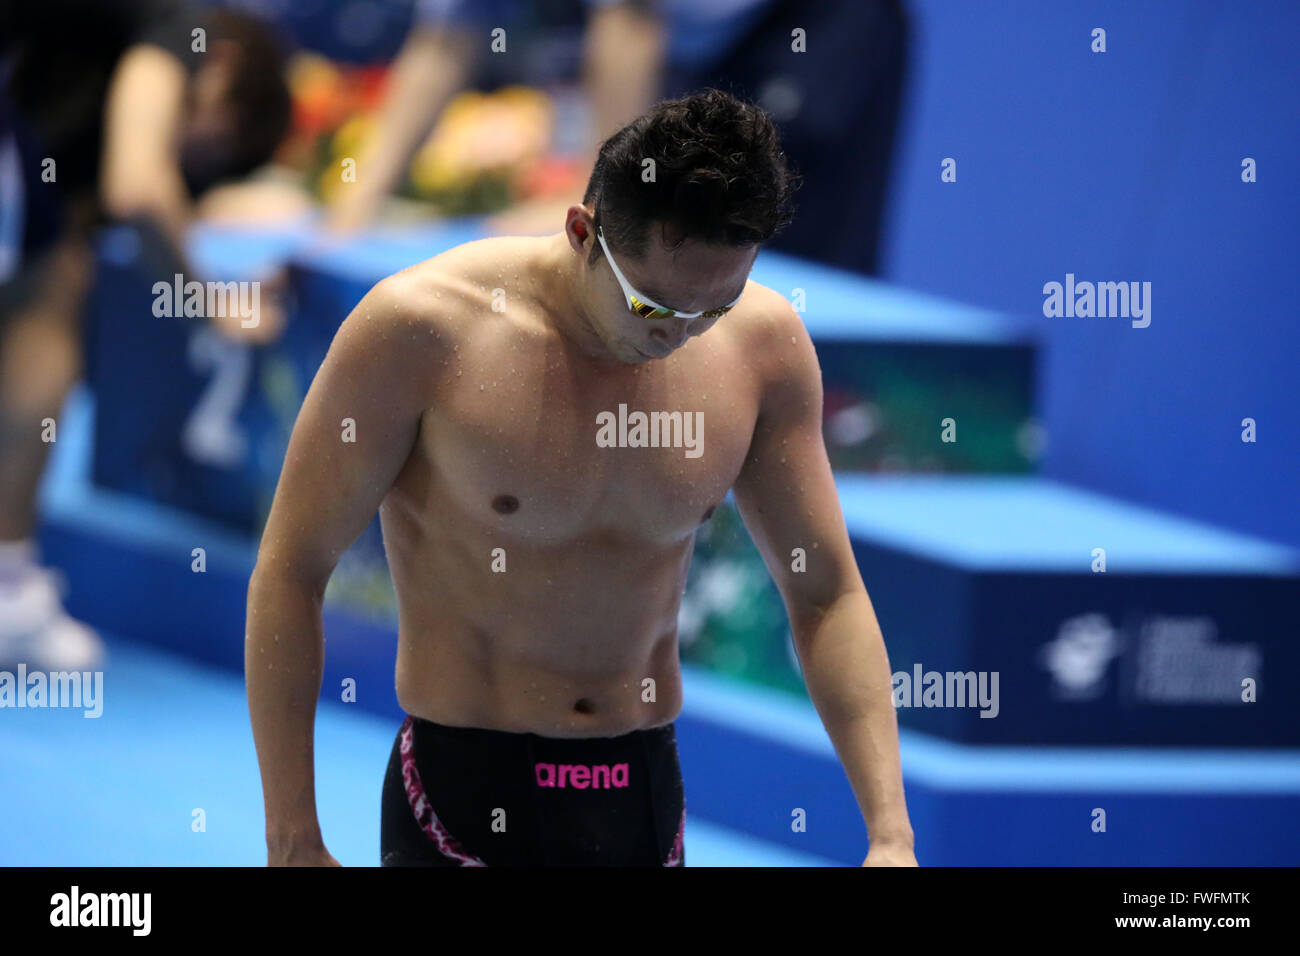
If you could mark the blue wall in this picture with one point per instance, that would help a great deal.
(1124, 166)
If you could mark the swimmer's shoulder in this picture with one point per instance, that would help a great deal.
(767, 323)
(411, 322)
(455, 287)
(772, 337)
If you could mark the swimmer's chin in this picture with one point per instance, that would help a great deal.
(640, 356)
(629, 354)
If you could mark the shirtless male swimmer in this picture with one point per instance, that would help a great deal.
(539, 571)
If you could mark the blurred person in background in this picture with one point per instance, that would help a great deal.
(835, 90)
(110, 110)
(449, 49)
(830, 73)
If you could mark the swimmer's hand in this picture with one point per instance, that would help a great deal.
(890, 854)
(290, 855)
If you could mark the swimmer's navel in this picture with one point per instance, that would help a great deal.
(584, 705)
(505, 504)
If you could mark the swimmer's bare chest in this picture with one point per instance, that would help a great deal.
(540, 533)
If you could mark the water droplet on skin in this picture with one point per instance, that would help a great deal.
(480, 388)
(457, 372)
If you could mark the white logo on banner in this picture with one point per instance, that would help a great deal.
(1176, 660)
(1078, 657)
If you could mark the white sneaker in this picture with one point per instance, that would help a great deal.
(36, 631)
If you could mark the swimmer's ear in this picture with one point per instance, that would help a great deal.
(579, 227)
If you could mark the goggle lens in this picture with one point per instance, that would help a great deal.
(649, 311)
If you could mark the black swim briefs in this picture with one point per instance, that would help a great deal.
(467, 796)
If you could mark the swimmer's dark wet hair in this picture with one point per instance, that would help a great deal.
(720, 175)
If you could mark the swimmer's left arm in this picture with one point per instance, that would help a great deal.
(787, 498)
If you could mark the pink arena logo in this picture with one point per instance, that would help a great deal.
(600, 776)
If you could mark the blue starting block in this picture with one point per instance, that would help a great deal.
(1106, 622)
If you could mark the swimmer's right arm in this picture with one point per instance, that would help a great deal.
(378, 373)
